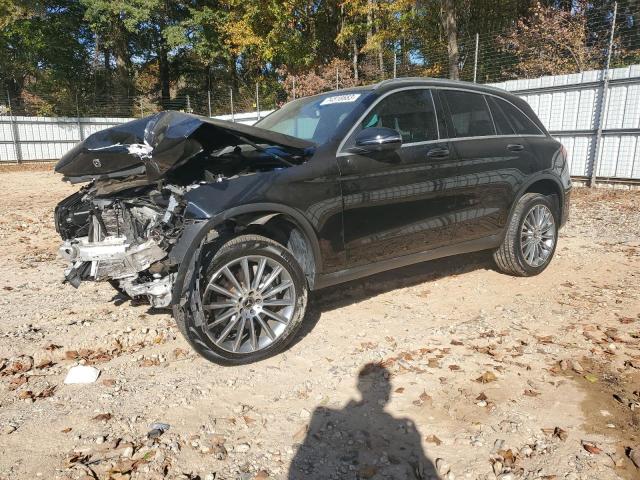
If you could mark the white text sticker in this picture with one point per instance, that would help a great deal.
(349, 98)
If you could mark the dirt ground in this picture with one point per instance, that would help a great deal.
(471, 373)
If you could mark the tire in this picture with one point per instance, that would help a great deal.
(259, 314)
(510, 257)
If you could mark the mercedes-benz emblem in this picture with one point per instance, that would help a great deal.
(96, 163)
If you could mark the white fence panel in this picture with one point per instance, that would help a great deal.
(568, 105)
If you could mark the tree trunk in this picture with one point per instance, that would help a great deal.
(451, 31)
(369, 21)
(123, 63)
(163, 72)
(355, 59)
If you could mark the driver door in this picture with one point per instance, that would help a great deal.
(402, 201)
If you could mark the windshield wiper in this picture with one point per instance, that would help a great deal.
(264, 150)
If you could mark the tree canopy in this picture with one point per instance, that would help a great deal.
(136, 56)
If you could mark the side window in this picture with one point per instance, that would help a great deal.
(410, 112)
(503, 126)
(519, 120)
(470, 115)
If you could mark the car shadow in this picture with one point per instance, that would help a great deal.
(348, 293)
(362, 440)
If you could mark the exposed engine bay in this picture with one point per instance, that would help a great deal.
(123, 240)
(122, 226)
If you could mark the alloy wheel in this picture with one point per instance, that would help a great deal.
(248, 304)
(537, 236)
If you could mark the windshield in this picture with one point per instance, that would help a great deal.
(313, 118)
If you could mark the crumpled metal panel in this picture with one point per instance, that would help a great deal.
(154, 145)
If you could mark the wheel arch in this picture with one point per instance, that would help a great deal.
(544, 183)
(259, 218)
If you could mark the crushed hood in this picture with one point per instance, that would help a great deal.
(154, 145)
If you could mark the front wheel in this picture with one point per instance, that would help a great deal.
(253, 296)
(531, 237)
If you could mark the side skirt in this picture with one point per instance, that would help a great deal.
(346, 275)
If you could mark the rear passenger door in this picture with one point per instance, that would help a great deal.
(404, 201)
(493, 161)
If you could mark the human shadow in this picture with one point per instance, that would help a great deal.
(362, 440)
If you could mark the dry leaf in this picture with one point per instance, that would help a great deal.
(560, 433)
(591, 448)
(19, 365)
(102, 417)
(433, 439)
(487, 377)
(531, 393)
(47, 392)
(367, 471)
(424, 397)
(248, 420)
(17, 381)
(45, 364)
(399, 390)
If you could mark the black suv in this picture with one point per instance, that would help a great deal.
(231, 225)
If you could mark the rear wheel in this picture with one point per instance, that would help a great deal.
(531, 237)
(253, 297)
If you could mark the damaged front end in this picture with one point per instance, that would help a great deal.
(123, 225)
(123, 240)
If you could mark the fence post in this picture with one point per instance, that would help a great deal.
(395, 60)
(80, 129)
(14, 130)
(209, 101)
(188, 104)
(294, 88)
(233, 117)
(475, 61)
(257, 100)
(604, 103)
(337, 81)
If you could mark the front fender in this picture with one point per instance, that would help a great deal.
(195, 233)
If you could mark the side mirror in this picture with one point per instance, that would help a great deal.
(378, 139)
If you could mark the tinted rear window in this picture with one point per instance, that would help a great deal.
(518, 120)
(499, 118)
(470, 115)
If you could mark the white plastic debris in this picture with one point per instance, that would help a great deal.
(81, 374)
(141, 150)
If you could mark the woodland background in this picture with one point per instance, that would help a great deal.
(133, 57)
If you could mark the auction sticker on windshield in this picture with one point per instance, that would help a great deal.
(348, 98)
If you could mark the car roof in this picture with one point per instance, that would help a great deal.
(394, 83)
(435, 82)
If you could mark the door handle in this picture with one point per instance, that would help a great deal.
(515, 147)
(438, 153)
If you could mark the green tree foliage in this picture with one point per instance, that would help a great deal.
(136, 56)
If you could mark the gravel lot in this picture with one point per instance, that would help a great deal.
(446, 369)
